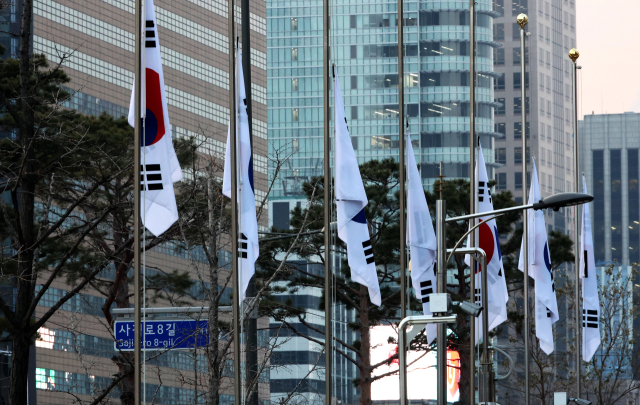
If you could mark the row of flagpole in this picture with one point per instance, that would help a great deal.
(159, 169)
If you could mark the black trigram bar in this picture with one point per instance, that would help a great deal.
(154, 178)
(548, 313)
(481, 189)
(589, 318)
(586, 265)
(478, 296)
(368, 251)
(243, 246)
(426, 288)
(150, 33)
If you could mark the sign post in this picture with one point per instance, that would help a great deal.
(163, 334)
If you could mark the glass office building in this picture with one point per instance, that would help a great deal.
(364, 49)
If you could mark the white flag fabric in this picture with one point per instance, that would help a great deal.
(421, 239)
(546, 305)
(248, 249)
(159, 163)
(590, 295)
(350, 202)
(488, 240)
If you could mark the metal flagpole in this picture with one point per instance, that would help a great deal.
(472, 190)
(401, 164)
(328, 336)
(441, 337)
(574, 54)
(136, 205)
(522, 22)
(234, 205)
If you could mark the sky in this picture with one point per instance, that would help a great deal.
(609, 46)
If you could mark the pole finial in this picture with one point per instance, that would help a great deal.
(522, 20)
(574, 55)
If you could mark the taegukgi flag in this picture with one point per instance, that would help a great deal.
(159, 163)
(248, 250)
(590, 295)
(421, 239)
(488, 240)
(350, 202)
(546, 306)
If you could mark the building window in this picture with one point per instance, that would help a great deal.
(516, 56)
(517, 105)
(634, 201)
(518, 7)
(498, 32)
(542, 133)
(518, 180)
(548, 61)
(501, 109)
(540, 32)
(354, 51)
(515, 31)
(354, 82)
(542, 157)
(294, 84)
(517, 155)
(294, 54)
(498, 6)
(498, 56)
(294, 24)
(295, 114)
(517, 130)
(501, 128)
(501, 155)
(354, 112)
(517, 81)
(501, 181)
(598, 202)
(353, 21)
(615, 157)
(499, 83)
(548, 36)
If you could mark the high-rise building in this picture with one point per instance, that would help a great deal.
(609, 145)
(364, 48)
(549, 105)
(97, 36)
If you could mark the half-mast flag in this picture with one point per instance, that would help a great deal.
(421, 239)
(350, 202)
(590, 298)
(159, 165)
(546, 306)
(488, 240)
(248, 250)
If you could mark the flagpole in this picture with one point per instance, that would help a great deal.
(522, 21)
(574, 54)
(472, 190)
(234, 205)
(401, 164)
(136, 206)
(327, 207)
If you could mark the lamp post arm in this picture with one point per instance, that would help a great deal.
(468, 232)
(494, 212)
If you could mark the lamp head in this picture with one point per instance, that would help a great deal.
(522, 20)
(580, 401)
(557, 201)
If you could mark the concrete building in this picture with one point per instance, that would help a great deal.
(609, 145)
(549, 78)
(98, 38)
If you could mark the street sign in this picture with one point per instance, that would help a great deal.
(159, 335)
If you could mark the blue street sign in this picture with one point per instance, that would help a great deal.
(169, 334)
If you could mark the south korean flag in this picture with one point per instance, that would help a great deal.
(421, 239)
(248, 250)
(159, 165)
(590, 295)
(488, 240)
(350, 202)
(546, 305)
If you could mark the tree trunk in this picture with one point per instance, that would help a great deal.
(213, 351)
(19, 368)
(465, 371)
(365, 347)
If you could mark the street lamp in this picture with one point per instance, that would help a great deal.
(554, 202)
